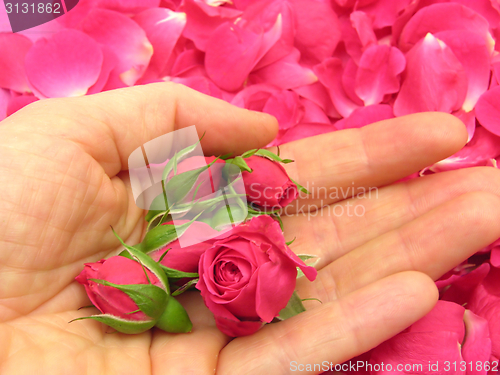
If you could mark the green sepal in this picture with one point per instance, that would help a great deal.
(175, 318)
(300, 187)
(145, 260)
(162, 235)
(240, 163)
(290, 242)
(178, 156)
(184, 287)
(121, 325)
(266, 153)
(150, 299)
(158, 201)
(293, 307)
(226, 156)
(202, 205)
(174, 274)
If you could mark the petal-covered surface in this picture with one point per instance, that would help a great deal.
(18, 102)
(329, 73)
(442, 17)
(434, 80)
(384, 12)
(12, 72)
(301, 131)
(378, 73)
(125, 38)
(286, 107)
(472, 51)
(488, 110)
(461, 287)
(163, 28)
(65, 65)
(477, 345)
(363, 116)
(286, 73)
(317, 29)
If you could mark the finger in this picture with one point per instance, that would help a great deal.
(333, 166)
(110, 125)
(335, 230)
(433, 244)
(335, 331)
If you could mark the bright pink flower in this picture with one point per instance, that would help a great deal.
(12, 73)
(248, 277)
(434, 80)
(65, 65)
(125, 38)
(117, 270)
(268, 185)
(186, 258)
(378, 73)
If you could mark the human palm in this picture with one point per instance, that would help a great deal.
(63, 182)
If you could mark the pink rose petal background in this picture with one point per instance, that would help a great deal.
(318, 66)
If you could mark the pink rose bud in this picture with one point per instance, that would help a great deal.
(248, 277)
(268, 185)
(132, 297)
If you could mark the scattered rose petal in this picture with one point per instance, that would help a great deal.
(488, 110)
(477, 345)
(18, 102)
(12, 73)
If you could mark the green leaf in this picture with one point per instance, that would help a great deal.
(226, 156)
(176, 274)
(241, 163)
(175, 318)
(271, 155)
(293, 307)
(185, 287)
(249, 153)
(300, 187)
(178, 156)
(121, 325)
(228, 215)
(150, 299)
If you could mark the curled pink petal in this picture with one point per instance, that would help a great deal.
(378, 73)
(254, 97)
(163, 28)
(65, 65)
(301, 131)
(329, 73)
(286, 107)
(125, 38)
(286, 73)
(349, 81)
(318, 94)
(459, 288)
(363, 116)
(233, 51)
(204, 19)
(317, 29)
(363, 26)
(313, 112)
(443, 17)
(186, 61)
(471, 50)
(488, 110)
(12, 73)
(434, 80)
(477, 345)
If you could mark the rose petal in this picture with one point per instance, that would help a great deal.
(18, 102)
(462, 287)
(286, 73)
(125, 38)
(254, 97)
(318, 94)
(434, 80)
(286, 107)
(129, 6)
(317, 30)
(329, 73)
(443, 17)
(4, 101)
(301, 131)
(65, 65)
(477, 345)
(363, 116)
(488, 110)
(163, 28)
(12, 73)
(313, 113)
(384, 12)
(201, 84)
(378, 73)
(236, 328)
(471, 50)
